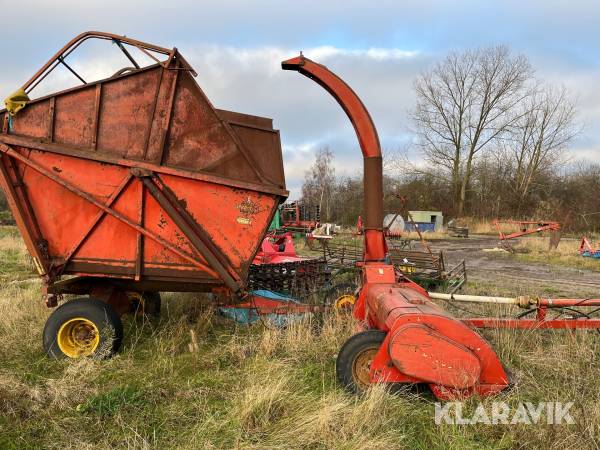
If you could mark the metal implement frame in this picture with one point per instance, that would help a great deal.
(71, 46)
(299, 218)
(297, 278)
(538, 227)
(427, 269)
(587, 249)
(540, 322)
(537, 306)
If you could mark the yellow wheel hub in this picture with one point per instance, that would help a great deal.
(78, 337)
(361, 368)
(345, 301)
(408, 269)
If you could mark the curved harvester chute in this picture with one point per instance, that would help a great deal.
(408, 338)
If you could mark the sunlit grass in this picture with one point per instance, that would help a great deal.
(258, 387)
(537, 249)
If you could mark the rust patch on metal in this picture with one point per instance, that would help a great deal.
(162, 223)
(248, 209)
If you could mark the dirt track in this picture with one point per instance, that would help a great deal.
(502, 269)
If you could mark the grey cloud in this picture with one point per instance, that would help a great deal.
(251, 80)
(236, 46)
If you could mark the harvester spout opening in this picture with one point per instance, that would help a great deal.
(375, 247)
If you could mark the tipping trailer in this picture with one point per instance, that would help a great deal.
(131, 185)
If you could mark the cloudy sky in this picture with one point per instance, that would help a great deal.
(378, 47)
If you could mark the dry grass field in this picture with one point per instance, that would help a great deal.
(536, 249)
(193, 379)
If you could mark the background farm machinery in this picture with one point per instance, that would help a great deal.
(524, 228)
(136, 184)
(589, 250)
(296, 217)
(426, 268)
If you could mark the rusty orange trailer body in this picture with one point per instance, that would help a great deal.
(138, 179)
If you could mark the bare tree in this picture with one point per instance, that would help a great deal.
(396, 163)
(319, 182)
(544, 128)
(464, 104)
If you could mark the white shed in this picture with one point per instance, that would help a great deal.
(435, 217)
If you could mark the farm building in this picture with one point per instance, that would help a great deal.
(428, 217)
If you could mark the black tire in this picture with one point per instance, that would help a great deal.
(148, 303)
(512, 378)
(105, 335)
(361, 345)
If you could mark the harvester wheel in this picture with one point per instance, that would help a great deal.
(345, 302)
(354, 360)
(83, 327)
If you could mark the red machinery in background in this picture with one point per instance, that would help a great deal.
(527, 227)
(588, 250)
(299, 217)
(277, 248)
(405, 337)
(359, 226)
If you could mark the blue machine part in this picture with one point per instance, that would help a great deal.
(249, 315)
(424, 227)
(273, 295)
(589, 254)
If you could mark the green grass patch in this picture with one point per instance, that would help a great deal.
(560, 260)
(262, 388)
(109, 403)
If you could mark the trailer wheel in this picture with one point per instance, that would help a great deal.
(83, 327)
(354, 360)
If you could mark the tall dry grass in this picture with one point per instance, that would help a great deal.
(537, 249)
(478, 226)
(195, 380)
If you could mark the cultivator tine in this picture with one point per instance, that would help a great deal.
(297, 278)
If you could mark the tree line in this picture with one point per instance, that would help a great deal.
(493, 142)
